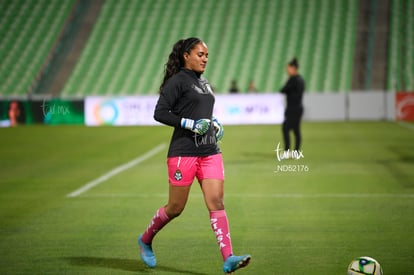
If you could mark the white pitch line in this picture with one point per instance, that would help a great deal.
(116, 171)
(406, 125)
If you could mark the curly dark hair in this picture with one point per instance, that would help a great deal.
(176, 58)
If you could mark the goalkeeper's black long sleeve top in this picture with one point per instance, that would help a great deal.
(187, 95)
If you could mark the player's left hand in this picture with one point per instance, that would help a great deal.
(219, 129)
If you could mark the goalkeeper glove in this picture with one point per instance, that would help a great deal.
(219, 129)
(200, 126)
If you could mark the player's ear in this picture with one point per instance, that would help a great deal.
(186, 55)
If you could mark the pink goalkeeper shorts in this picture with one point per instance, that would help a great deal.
(183, 170)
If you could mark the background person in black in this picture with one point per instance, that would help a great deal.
(186, 103)
(293, 89)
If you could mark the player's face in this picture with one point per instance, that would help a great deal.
(291, 70)
(197, 59)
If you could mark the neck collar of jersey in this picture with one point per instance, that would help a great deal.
(198, 75)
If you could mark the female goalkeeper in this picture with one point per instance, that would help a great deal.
(186, 103)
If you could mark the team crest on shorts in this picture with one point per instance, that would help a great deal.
(178, 175)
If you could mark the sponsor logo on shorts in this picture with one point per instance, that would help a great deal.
(178, 175)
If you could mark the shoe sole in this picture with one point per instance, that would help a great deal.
(241, 264)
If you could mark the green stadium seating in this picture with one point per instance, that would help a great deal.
(28, 30)
(401, 47)
(248, 40)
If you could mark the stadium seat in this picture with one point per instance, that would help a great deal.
(28, 30)
(401, 47)
(248, 40)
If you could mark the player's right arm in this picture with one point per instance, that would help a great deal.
(169, 96)
(165, 104)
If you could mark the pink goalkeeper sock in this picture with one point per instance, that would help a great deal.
(220, 226)
(159, 220)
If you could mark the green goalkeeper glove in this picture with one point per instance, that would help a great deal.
(200, 126)
(219, 129)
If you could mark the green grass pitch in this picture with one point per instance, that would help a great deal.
(356, 199)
